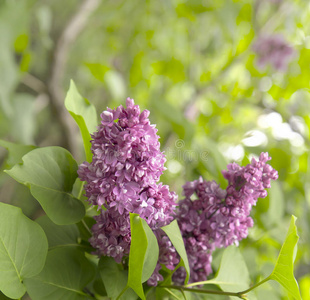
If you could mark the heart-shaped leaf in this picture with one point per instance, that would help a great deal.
(50, 174)
(23, 249)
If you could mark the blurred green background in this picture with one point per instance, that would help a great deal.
(191, 63)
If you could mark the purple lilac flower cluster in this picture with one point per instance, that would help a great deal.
(123, 177)
(210, 217)
(274, 50)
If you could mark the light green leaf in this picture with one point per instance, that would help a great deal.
(59, 235)
(50, 174)
(98, 70)
(16, 151)
(65, 275)
(283, 271)
(114, 278)
(84, 114)
(143, 254)
(233, 275)
(173, 232)
(152, 252)
(23, 249)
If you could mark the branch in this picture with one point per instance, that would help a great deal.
(54, 86)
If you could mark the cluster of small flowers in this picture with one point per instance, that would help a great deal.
(219, 218)
(275, 50)
(123, 177)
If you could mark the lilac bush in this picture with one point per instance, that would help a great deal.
(123, 178)
(274, 50)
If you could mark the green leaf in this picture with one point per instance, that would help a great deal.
(23, 249)
(59, 235)
(84, 114)
(115, 279)
(65, 275)
(233, 275)
(143, 254)
(152, 252)
(50, 174)
(3, 297)
(283, 271)
(173, 232)
(98, 70)
(16, 151)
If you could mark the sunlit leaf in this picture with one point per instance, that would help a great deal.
(84, 114)
(283, 271)
(23, 249)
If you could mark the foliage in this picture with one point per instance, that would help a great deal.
(192, 64)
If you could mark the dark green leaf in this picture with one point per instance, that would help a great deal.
(65, 275)
(50, 173)
(84, 115)
(59, 235)
(173, 232)
(115, 279)
(23, 249)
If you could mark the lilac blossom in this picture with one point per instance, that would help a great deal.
(123, 178)
(211, 218)
(126, 158)
(111, 234)
(274, 50)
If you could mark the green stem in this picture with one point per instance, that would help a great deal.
(174, 295)
(122, 292)
(81, 190)
(256, 285)
(85, 225)
(240, 295)
(201, 291)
